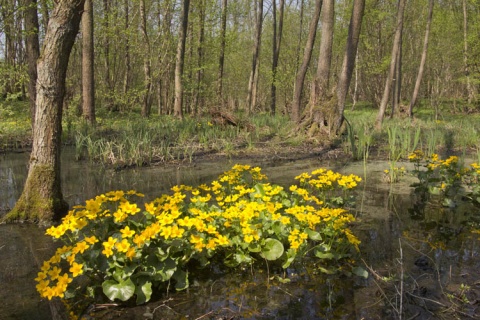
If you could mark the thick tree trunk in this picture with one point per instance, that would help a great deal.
(252, 82)
(307, 55)
(88, 80)
(348, 63)
(276, 42)
(221, 57)
(421, 68)
(180, 60)
(393, 63)
(32, 48)
(41, 199)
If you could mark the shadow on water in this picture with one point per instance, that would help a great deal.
(423, 261)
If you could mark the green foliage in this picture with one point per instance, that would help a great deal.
(112, 245)
(446, 178)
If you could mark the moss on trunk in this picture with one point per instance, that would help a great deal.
(41, 200)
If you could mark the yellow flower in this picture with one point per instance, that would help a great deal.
(127, 232)
(54, 273)
(80, 247)
(91, 240)
(76, 269)
(123, 245)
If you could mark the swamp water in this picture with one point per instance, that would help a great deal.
(423, 261)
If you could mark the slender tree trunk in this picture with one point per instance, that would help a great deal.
(307, 55)
(45, 13)
(147, 64)
(276, 42)
(32, 49)
(198, 99)
(300, 38)
(88, 80)
(393, 62)
(470, 93)
(221, 58)
(41, 199)
(182, 37)
(126, 79)
(320, 87)
(421, 68)
(348, 62)
(397, 81)
(106, 46)
(251, 97)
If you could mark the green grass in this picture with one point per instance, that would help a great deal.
(127, 139)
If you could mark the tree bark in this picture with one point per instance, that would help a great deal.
(179, 65)
(41, 199)
(251, 97)
(276, 42)
(88, 80)
(32, 49)
(307, 55)
(421, 68)
(393, 62)
(348, 63)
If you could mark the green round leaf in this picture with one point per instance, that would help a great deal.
(273, 249)
(123, 290)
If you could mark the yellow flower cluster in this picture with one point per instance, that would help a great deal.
(322, 179)
(237, 211)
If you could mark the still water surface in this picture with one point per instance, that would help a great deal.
(429, 246)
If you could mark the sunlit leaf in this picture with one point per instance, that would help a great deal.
(123, 290)
(273, 249)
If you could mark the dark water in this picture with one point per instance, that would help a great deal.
(422, 258)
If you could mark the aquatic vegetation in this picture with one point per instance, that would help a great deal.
(446, 178)
(114, 247)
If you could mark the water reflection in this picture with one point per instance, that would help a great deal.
(437, 252)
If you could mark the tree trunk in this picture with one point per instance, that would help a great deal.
(88, 80)
(307, 55)
(421, 68)
(348, 63)
(397, 81)
(45, 13)
(126, 79)
(198, 98)
(251, 97)
(147, 63)
(180, 59)
(276, 42)
(41, 199)
(221, 57)
(393, 62)
(320, 87)
(32, 48)
(466, 71)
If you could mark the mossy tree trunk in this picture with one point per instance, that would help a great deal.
(42, 200)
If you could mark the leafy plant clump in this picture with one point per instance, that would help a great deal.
(114, 248)
(446, 178)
